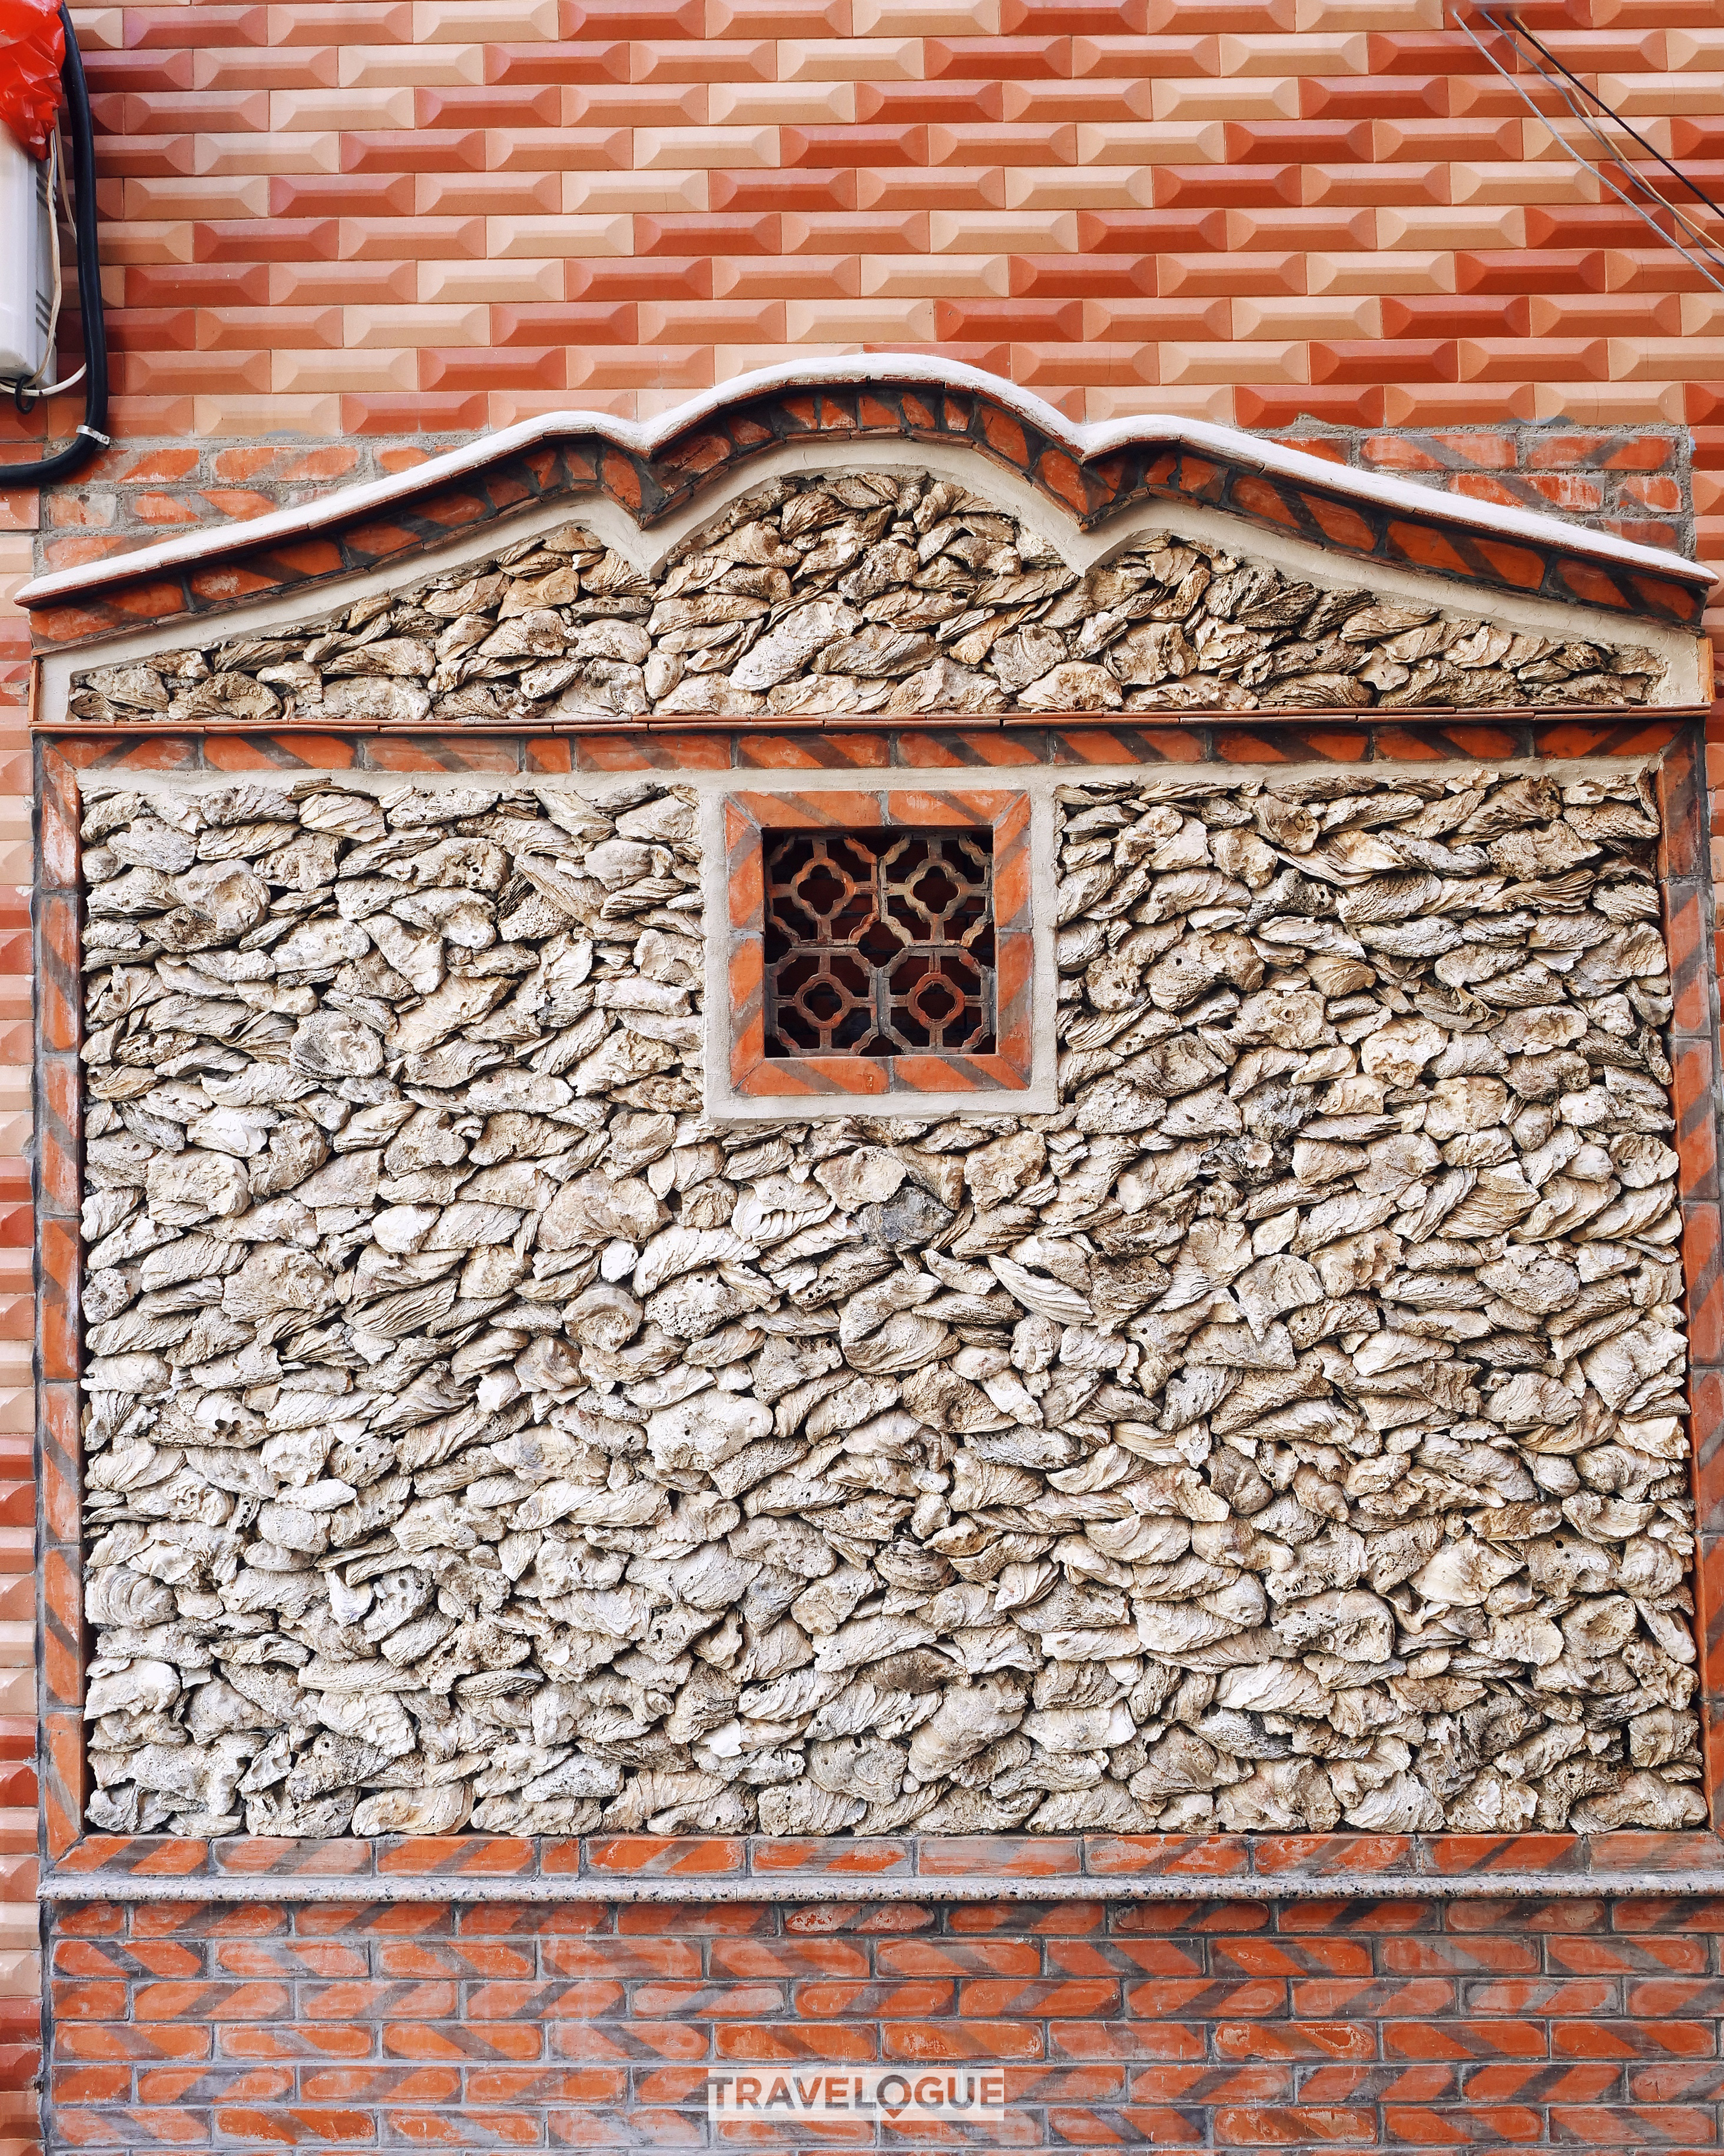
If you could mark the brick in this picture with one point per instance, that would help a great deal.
(1614, 313)
(412, 66)
(467, 192)
(537, 238)
(1079, 277)
(1356, 184)
(1234, 186)
(598, 192)
(1001, 59)
(336, 285)
(567, 321)
(1369, 97)
(923, 18)
(842, 320)
(1198, 99)
(1532, 358)
(1475, 227)
(800, 2039)
(690, 60)
(1307, 316)
(638, 276)
(681, 148)
(1642, 269)
(1640, 453)
(1265, 224)
(814, 276)
(1250, 2125)
(301, 25)
(567, 150)
(1146, 142)
(1222, 2085)
(1046, 104)
(486, 283)
(295, 2040)
(1600, 2126)
(1585, 1955)
(1223, 276)
(1423, 359)
(965, 322)
(1122, 318)
(1263, 361)
(240, 2121)
(214, 2002)
(1267, 211)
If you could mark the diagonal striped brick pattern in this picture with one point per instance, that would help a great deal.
(339, 237)
(1210, 2023)
(330, 235)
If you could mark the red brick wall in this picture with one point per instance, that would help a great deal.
(338, 233)
(1227, 2024)
(341, 234)
(1577, 2011)
(20, 1959)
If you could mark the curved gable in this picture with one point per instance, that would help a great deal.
(893, 591)
(1089, 478)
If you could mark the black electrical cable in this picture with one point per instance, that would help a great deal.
(92, 432)
(1675, 171)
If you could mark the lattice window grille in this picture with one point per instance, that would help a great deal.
(880, 943)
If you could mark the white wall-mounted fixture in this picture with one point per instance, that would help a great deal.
(26, 261)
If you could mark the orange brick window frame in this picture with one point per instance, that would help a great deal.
(846, 1871)
(751, 819)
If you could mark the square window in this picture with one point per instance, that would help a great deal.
(880, 943)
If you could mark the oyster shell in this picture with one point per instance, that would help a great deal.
(1285, 1433)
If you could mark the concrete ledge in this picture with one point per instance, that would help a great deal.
(657, 441)
(87, 1888)
(945, 1868)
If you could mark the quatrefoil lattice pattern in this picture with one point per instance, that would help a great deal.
(880, 943)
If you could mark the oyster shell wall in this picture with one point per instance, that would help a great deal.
(1287, 1433)
(889, 591)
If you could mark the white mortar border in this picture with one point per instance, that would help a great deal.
(1083, 440)
(62, 1883)
(1040, 1097)
(1041, 783)
(1685, 654)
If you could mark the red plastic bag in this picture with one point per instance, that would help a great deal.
(33, 49)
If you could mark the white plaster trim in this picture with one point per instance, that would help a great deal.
(1083, 440)
(304, 604)
(63, 1885)
(1032, 778)
(1039, 1097)
(1042, 783)
(1686, 679)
